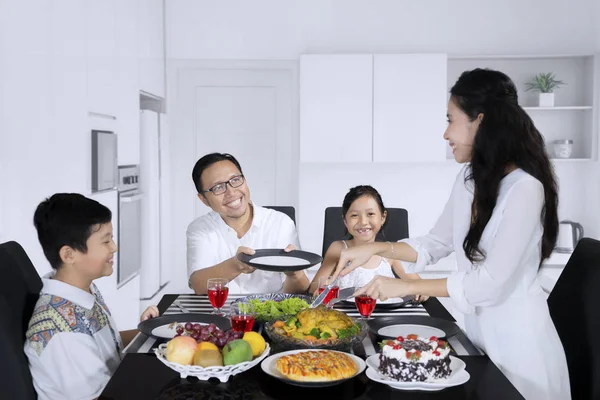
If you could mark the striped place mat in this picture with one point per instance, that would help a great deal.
(200, 304)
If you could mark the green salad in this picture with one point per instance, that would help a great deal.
(269, 309)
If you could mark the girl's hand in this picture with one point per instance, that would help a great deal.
(352, 258)
(383, 288)
(150, 312)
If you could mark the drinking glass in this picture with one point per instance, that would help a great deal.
(242, 317)
(217, 294)
(365, 305)
(324, 281)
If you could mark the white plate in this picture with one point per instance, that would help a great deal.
(270, 368)
(280, 261)
(165, 332)
(458, 376)
(408, 329)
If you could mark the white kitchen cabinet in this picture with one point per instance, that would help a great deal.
(409, 107)
(101, 56)
(336, 108)
(151, 47)
(128, 90)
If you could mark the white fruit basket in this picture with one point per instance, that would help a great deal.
(221, 373)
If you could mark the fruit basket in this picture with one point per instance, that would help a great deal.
(204, 373)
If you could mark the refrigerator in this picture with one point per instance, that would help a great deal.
(151, 170)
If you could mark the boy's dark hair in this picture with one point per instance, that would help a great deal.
(206, 162)
(67, 219)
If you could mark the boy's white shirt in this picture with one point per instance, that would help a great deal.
(73, 344)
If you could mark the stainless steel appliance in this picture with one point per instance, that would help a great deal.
(130, 223)
(569, 234)
(104, 160)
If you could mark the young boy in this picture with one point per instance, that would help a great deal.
(72, 343)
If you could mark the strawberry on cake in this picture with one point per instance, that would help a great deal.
(415, 359)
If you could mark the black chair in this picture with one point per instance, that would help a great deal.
(574, 307)
(287, 210)
(20, 287)
(396, 226)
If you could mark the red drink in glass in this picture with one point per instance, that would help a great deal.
(365, 305)
(333, 294)
(242, 323)
(218, 296)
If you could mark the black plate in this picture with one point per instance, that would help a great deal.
(311, 258)
(149, 325)
(375, 324)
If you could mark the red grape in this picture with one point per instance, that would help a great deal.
(213, 325)
(188, 326)
(204, 337)
(179, 329)
(195, 335)
(196, 327)
(213, 340)
(221, 342)
(219, 334)
(211, 328)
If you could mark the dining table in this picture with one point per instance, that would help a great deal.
(141, 375)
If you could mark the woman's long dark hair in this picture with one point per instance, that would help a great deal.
(506, 137)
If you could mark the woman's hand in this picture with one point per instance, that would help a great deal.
(353, 258)
(421, 298)
(383, 288)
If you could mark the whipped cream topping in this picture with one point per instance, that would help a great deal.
(417, 349)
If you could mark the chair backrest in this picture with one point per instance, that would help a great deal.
(573, 305)
(20, 287)
(396, 226)
(287, 210)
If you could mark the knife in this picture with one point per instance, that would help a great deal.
(319, 300)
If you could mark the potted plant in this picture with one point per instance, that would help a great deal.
(545, 84)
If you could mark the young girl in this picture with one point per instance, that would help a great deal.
(364, 215)
(501, 221)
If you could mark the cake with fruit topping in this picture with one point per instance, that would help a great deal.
(415, 359)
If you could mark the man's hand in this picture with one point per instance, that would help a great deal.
(244, 268)
(297, 274)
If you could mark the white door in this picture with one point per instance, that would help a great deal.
(247, 113)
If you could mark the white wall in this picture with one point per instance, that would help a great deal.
(270, 29)
(284, 29)
(47, 50)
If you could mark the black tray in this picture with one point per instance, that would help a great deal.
(311, 258)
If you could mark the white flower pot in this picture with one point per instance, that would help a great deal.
(546, 99)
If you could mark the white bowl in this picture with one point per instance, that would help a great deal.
(202, 373)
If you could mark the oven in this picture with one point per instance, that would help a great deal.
(130, 224)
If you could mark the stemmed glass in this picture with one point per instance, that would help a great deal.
(325, 281)
(365, 305)
(217, 294)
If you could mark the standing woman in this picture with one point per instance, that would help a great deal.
(501, 221)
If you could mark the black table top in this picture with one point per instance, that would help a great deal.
(142, 376)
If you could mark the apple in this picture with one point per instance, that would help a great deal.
(181, 350)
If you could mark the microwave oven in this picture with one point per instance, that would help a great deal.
(104, 161)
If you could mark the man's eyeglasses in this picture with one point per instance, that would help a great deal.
(221, 188)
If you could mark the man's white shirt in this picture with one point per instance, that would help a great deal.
(211, 241)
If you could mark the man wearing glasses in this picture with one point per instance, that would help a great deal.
(234, 226)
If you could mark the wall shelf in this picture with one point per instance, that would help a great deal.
(559, 108)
